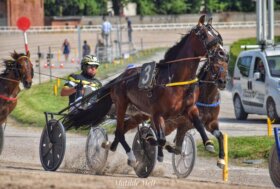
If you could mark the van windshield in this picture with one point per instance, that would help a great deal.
(274, 65)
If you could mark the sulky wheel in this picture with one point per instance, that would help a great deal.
(52, 145)
(1, 138)
(145, 153)
(183, 163)
(274, 166)
(96, 155)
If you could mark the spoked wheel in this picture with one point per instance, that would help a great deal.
(52, 145)
(183, 163)
(145, 154)
(95, 154)
(1, 138)
(274, 166)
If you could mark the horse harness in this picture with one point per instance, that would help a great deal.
(17, 73)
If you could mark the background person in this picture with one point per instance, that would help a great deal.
(86, 49)
(129, 29)
(75, 87)
(106, 30)
(66, 49)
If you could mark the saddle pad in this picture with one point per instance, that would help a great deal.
(146, 76)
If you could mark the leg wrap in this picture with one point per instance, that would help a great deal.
(216, 133)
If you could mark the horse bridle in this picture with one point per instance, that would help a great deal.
(213, 52)
(16, 68)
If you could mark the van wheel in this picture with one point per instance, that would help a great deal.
(271, 110)
(239, 111)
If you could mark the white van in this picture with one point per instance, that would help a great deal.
(256, 83)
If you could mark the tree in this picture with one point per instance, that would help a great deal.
(171, 6)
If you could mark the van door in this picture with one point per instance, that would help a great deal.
(258, 85)
(244, 65)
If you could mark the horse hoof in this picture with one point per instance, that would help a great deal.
(221, 163)
(106, 145)
(132, 163)
(209, 146)
(171, 148)
(160, 158)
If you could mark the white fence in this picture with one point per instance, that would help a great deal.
(141, 27)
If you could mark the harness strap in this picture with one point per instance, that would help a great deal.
(208, 105)
(13, 80)
(8, 98)
(181, 83)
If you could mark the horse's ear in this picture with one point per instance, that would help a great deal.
(209, 22)
(14, 55)
(201, 20)
(28, 54)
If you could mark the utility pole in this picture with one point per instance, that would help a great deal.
(265, 21)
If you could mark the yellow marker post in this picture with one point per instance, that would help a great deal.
(269, 126)
(55, 90)
(58, 82)
(58, 56)
(225, 170)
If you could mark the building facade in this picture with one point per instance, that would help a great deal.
(12, 10)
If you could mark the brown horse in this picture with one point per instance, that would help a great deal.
(19, 69)
(172, 94)
(207, 99)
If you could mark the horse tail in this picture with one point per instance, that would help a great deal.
(98, 104)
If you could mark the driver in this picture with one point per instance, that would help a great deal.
(79, 85)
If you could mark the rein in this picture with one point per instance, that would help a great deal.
(182, 83)
(201, 58)
(7, 98)
(12, 80)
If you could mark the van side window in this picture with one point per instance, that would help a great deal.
(244, 64)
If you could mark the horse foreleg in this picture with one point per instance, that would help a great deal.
(193, 115)
(213, 127)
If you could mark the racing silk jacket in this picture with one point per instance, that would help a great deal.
(75, 79)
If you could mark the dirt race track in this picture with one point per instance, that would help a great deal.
(20, 164)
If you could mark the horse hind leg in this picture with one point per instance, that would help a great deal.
(120, 131)
(129, 124)
(194, 117)
(161, 140)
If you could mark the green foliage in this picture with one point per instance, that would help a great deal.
(145, 7)
(74, 7)
(243, 148)
(172, 7)
(148, 7)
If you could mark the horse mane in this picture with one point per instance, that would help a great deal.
(172, 51)
(9, 62)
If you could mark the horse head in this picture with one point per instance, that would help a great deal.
(23, 68)
(217, 56)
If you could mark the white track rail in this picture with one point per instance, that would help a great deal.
(141, 27)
